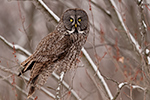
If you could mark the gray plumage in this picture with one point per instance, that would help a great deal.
(59, 50)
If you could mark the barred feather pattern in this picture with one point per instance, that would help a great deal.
(58, 51)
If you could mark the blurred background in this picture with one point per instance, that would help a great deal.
(109, 45)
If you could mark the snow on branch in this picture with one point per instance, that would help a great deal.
(17, 47)
(67, 86)
(97, 72)
(121, 85)
(133, 86)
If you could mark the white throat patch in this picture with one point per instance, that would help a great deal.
(72, 31)
(81, 32)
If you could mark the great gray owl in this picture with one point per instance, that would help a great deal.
(59, 50)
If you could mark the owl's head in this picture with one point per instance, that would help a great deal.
(75, 21)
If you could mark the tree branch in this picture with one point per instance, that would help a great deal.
(120, 25)
(17, 47)
(26, 79)
(16, 86)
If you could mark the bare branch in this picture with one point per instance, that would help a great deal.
(119, 23)
(27, 79)
(40, 5)
(97, 72)
(17, 47)
(121, 85)
(16, 86)
(143, 31)
(67, 86)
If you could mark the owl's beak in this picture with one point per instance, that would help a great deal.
(75, 25)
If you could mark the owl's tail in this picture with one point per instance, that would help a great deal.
(31, 91)
(36, 77)
(27, 64)
(32, 86)
(39, 74)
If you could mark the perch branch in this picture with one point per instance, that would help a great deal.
(67, 86)
(58, 93)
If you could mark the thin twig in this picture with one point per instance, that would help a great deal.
(130, 37)
(25, 78)
(97, 72)
(121, 85)
(145, 51)
(17, 87)
(98, 6)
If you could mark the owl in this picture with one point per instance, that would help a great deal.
(59, 50)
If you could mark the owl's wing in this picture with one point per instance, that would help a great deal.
(52, 48)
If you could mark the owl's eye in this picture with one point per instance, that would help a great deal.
(79, 20)
(71, 20)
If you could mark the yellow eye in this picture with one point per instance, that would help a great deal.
(71, 20)
(79, 19)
